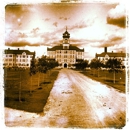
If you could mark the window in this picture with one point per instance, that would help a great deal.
(5, 64)
(23, 53)
(10, 55)
(58, 56)
(65, 56)
(65, 60)
(66, 41)
(65, 47)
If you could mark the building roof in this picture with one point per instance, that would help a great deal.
(61, 48)
(10, 51)
(66, 32)
(111, 54)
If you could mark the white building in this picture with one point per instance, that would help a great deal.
(17, 58)
(104, 56)
(66, 54)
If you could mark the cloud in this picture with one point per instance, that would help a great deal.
(16, 38)
(55, 24)
(46, 19)
(22, 35)
(61, 17)
(21, 44)
(109, 41)
(50, 38)
(117, 16)
(118, 47)
(82, 24)
(15, 15)
(66, 18)
(35, 30)
(35, 37)
(79, 42)
(12, 35)
(113, 40)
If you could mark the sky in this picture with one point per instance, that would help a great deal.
(92, 26)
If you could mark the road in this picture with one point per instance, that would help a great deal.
(76, 101)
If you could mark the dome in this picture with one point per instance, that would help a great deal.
(66, 34)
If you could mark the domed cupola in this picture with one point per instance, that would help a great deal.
(66, 41)
(66, 35)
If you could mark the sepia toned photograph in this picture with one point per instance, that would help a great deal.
(65, 65)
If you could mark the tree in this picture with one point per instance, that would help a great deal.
(52, 64)
(81, 64)
(33, 67)
(96, 64)
(33, 70)
(45, 64)
(114, 66)
(41, 65)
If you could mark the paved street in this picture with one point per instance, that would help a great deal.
(77, 101)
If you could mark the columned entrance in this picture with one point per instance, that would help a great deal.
(65, 65)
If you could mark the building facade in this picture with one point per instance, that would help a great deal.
(66, 54)
(17, 58)
(104, 56)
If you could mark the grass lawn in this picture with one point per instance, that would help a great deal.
(107, 78)
(24, 94)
